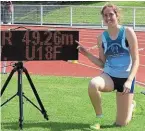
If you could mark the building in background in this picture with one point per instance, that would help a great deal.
(6, 12)
(6, 18)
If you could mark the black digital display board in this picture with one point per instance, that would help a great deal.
(32, 45)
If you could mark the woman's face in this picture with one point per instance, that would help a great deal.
(110, 17)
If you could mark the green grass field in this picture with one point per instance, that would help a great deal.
(118, 3)
(85, 15)
(67, 104)
(91, 15)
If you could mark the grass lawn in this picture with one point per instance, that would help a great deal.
(118, 3)
(67, 104)
(83, 13)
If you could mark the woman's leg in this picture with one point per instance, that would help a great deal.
(102, 83)
(124, 108)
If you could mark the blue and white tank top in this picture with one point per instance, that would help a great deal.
(118, 59)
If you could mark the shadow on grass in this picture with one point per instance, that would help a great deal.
(53, 126)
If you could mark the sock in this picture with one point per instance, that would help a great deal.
(99, 119)
(99, 116)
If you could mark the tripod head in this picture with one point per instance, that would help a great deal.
(18, 65)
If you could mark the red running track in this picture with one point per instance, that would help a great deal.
(84, 68)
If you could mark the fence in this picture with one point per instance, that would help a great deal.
(73, 15)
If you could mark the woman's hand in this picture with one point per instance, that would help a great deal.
(127, 86)
(81, 49)
(94, 59)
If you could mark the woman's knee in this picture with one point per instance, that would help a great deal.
(101, 83)
(94, 84)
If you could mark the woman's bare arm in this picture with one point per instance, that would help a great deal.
(99, 61)
(133, 46)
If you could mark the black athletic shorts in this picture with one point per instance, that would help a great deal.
(119, 82)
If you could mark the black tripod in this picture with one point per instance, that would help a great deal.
(20, 69)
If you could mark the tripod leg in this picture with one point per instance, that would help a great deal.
(7, 81)
(20, 94)
(36, 94)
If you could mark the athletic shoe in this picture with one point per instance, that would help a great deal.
(134, 107)
(95, 126)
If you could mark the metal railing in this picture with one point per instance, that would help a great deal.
(75, 15)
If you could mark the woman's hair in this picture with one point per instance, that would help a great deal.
(115, 9)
